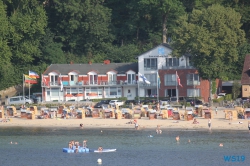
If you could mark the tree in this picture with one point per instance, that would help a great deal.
(210, 37)
(236, 89)
(167, 10)
(28, 21)
(80, 25)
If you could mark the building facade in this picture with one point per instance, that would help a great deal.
(76, 82)
(159, 60)
(64, 82)
(245, 77)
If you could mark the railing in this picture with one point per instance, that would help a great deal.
(178, 67)
(90, 83)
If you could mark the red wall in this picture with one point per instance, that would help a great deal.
(204, 84)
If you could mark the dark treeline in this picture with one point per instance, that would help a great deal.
(37, 33)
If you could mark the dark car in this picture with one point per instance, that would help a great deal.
(98, 105)
(105, 101)
(194, 101)
(127, 102)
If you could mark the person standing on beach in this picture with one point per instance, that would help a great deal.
(216, 110)
(249, 126)
(209, 124)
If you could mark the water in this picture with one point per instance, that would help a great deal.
(43, 146)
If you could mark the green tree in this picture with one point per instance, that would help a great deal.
(236, 89)
(167, 10)
(211, 37)
(28, 21)
(5, 53)
(80, 25)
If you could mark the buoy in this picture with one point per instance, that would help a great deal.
(99, 161)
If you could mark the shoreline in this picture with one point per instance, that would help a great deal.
(144, 124)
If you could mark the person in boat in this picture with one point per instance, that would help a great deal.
(100, 149)
(77, 147)
(70, 145)
(84, 144)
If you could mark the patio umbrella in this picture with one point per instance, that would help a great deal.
(69, 95)
(79, 95)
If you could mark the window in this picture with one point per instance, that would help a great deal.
(151, 92)
(54, 79)
(92, 79)
(170, 79)
(113, 91)
(172, 62)
(190, 63)
(73, 78)
(150, 64)
(193, 79)
(151, 78)
(55, 92)
(131, 78)
(170, 92)
(112, 78)
(193, 92)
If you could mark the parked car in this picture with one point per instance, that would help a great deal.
(193, 101)
(127, 102)
(105, 101)
(116, 102)
(98, 105)
(19, 100)
(221, 95)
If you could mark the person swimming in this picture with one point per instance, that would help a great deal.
(100, 149)
(177, 139)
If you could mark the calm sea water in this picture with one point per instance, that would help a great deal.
(43, 146)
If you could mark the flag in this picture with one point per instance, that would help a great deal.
(45, 81)
(158, 80)
(33, 74)
(143, 78)
(61, 82)
(178, 79)
(29, 79)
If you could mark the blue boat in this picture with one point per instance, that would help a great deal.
(80, 150)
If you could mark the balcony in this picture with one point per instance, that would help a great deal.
(177, 67)
(90, 83)
(152, 84)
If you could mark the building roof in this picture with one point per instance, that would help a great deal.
(100, 68)
(245, 76)
(230, 83)
(163, 44)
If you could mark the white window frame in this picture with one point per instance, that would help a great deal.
(170, 80)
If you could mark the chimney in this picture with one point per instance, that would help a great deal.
(106, 62)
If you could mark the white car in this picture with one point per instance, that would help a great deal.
(116, 102)
(221, 95)
(19, 100)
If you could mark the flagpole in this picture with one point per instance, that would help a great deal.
(42, 86)
(177, 92)
(29, 90)
(23, 89)
(138, 89)
(157, 78)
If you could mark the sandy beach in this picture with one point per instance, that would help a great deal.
(217, 123)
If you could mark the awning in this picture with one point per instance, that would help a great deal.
(79, 95)
(69, 95)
